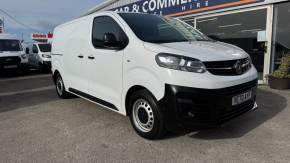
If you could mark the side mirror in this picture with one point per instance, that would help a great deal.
(27, 50)
(110, 40)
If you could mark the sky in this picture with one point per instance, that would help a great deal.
(41, 15)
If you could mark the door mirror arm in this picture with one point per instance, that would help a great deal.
(114, 48)
(110, 42)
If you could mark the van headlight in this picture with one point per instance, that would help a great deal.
(181, 63)
(46, 56)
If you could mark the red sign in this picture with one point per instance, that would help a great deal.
(41, 36)
(49, 35)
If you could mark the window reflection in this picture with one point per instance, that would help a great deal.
(281, 33)
(240, 29)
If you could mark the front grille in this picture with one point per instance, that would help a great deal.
(9, 61)
(230, 91)
(228, 68)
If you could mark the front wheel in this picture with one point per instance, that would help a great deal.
(60, 88)
(145, 116)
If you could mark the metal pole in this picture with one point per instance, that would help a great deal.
(3, 25)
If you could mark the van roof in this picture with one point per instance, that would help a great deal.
(6, 36)
(118, 12)
(98, 12)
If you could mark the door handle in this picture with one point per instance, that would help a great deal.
(91, 57)
(81, 56)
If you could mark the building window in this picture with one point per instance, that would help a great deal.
(240, 29)
(281, 33)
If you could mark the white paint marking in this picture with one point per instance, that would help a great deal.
(27, 91)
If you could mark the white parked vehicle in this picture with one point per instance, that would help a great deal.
(39, 56)
(12, 55)
(159, 71)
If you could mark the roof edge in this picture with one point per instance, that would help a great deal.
(99, 7)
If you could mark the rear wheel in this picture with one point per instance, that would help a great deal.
(146, 118)
(60, 88)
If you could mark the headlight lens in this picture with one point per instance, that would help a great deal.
(181, 63)
(46, 56)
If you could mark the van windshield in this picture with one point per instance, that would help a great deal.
(44, 47)
(10, 45)
(158, 29)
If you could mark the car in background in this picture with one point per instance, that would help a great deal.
(39, 56)
(12, 55)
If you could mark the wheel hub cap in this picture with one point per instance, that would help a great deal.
(143, 115)
(59, 86)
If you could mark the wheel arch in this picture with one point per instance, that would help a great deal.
(141, 78)
(131, 91)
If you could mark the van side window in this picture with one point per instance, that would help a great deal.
(103, 25)
(34, 49)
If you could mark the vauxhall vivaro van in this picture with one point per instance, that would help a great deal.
(39, 56)
(159, 71)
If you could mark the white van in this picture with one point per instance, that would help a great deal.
(39, 56)
(159, 71)
(12, 55)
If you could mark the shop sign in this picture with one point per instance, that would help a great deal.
(181, 7)
(41, 36)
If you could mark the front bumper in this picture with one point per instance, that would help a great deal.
(191, 108)
(47, 64)
(12, 63)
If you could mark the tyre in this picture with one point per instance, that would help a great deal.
(60, 88)
(41, 67)
(145, 116)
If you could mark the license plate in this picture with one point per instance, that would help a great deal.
(10, 66)
(236, 100)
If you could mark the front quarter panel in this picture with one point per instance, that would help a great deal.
(140, 69)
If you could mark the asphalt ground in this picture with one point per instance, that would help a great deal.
(37, 126)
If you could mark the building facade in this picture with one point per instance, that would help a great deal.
(260, 27)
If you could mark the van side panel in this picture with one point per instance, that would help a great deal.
(58, 48)
(68, 44)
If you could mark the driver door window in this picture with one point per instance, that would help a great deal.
(103, 25)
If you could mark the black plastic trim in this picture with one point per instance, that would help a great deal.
(92, 98)
(210, 107)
